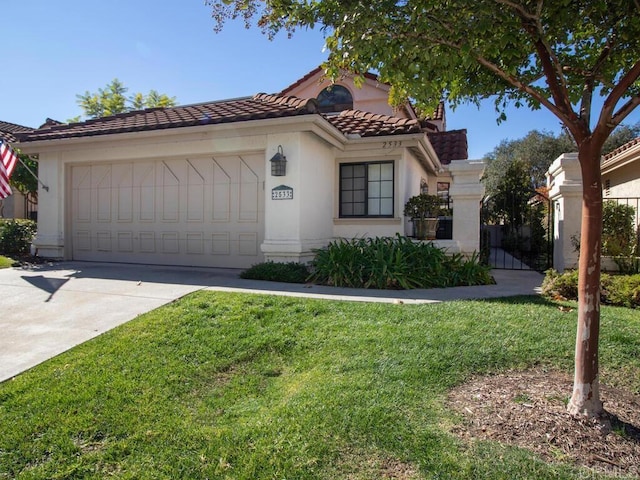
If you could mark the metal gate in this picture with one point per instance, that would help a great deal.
(517, 234)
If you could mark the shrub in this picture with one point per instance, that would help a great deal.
(394, 263)
(618, 290)
(16, 236)
(291, 272)
(618, 232)
(560, 284)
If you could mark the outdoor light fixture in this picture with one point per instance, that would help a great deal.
(279, 163)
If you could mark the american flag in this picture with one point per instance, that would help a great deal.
(8, 162)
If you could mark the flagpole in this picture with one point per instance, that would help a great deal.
(34, 175)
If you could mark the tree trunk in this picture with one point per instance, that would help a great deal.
(586, 396)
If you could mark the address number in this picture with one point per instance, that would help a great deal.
(281, 194)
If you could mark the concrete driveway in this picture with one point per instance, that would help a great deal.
(47, 309)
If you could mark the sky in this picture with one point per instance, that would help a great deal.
(54, 51)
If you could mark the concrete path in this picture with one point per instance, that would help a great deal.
(47, 309)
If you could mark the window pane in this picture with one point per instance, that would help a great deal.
(374, 189)
(358, 184)
(347, 209)
(374, 206)
(358, 209)
(347, 197)
(347, 171)
(386, 189)
(358, 196)
(386, 171)
(374, 172)
(347, 184)
(358, 170)
(386, 206)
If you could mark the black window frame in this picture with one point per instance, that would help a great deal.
(366, 165)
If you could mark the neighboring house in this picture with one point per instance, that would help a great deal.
(621, 175)
(199, 184)
(15, 205)
(621, 171)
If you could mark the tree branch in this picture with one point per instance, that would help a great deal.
(624, 111)
(606, 114)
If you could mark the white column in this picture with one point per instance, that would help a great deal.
(466, 194)
(565, 191)
(49, 240)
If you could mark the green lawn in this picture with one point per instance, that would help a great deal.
(235, 386)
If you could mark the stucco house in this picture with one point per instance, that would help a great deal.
(203, 184)
(15, 205)
(621, 171)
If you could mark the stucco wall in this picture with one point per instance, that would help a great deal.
(623, 183)
(294, 227)
(371, 97)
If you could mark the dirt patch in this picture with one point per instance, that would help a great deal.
(528, 410)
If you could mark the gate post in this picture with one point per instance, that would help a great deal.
(565, 192)
(466, 194)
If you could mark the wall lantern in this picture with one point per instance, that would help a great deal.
(279, 163)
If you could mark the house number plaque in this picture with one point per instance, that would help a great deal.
(282, 192)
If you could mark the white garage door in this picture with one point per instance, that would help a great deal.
(203, 211)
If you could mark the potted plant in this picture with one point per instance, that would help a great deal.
(423, 210)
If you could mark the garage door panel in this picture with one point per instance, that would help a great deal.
(248, 210)
(101, 188)
(203, 211)
(169, 190)
(221, 193)
(145, 191)
(81, 185)
(123, 180)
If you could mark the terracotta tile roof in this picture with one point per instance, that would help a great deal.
(9, 130)
(622, 148)
(355, 122)
(260, 106)
(449, 145)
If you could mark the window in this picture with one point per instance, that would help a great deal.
(366, 189)
(335, 98)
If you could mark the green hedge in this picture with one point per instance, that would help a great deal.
(277, 272)
(619, 290)
(16, 236)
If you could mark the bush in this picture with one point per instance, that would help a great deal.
(560, 284)
(618, 290)
(394, 263)
(16, 236)
(277, 272)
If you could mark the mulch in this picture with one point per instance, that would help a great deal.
(528, 410)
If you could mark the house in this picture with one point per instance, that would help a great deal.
(620, 170)
(235, 182)
(16, 205)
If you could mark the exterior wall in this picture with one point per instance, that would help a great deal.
(623, 182)
(565, 191)
(621, 173)
(372, 97)
(372, 227)
(295, 227)
(411, 177)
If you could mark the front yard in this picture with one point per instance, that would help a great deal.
(237, 386)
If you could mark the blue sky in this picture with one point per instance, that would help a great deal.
(55, 50)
